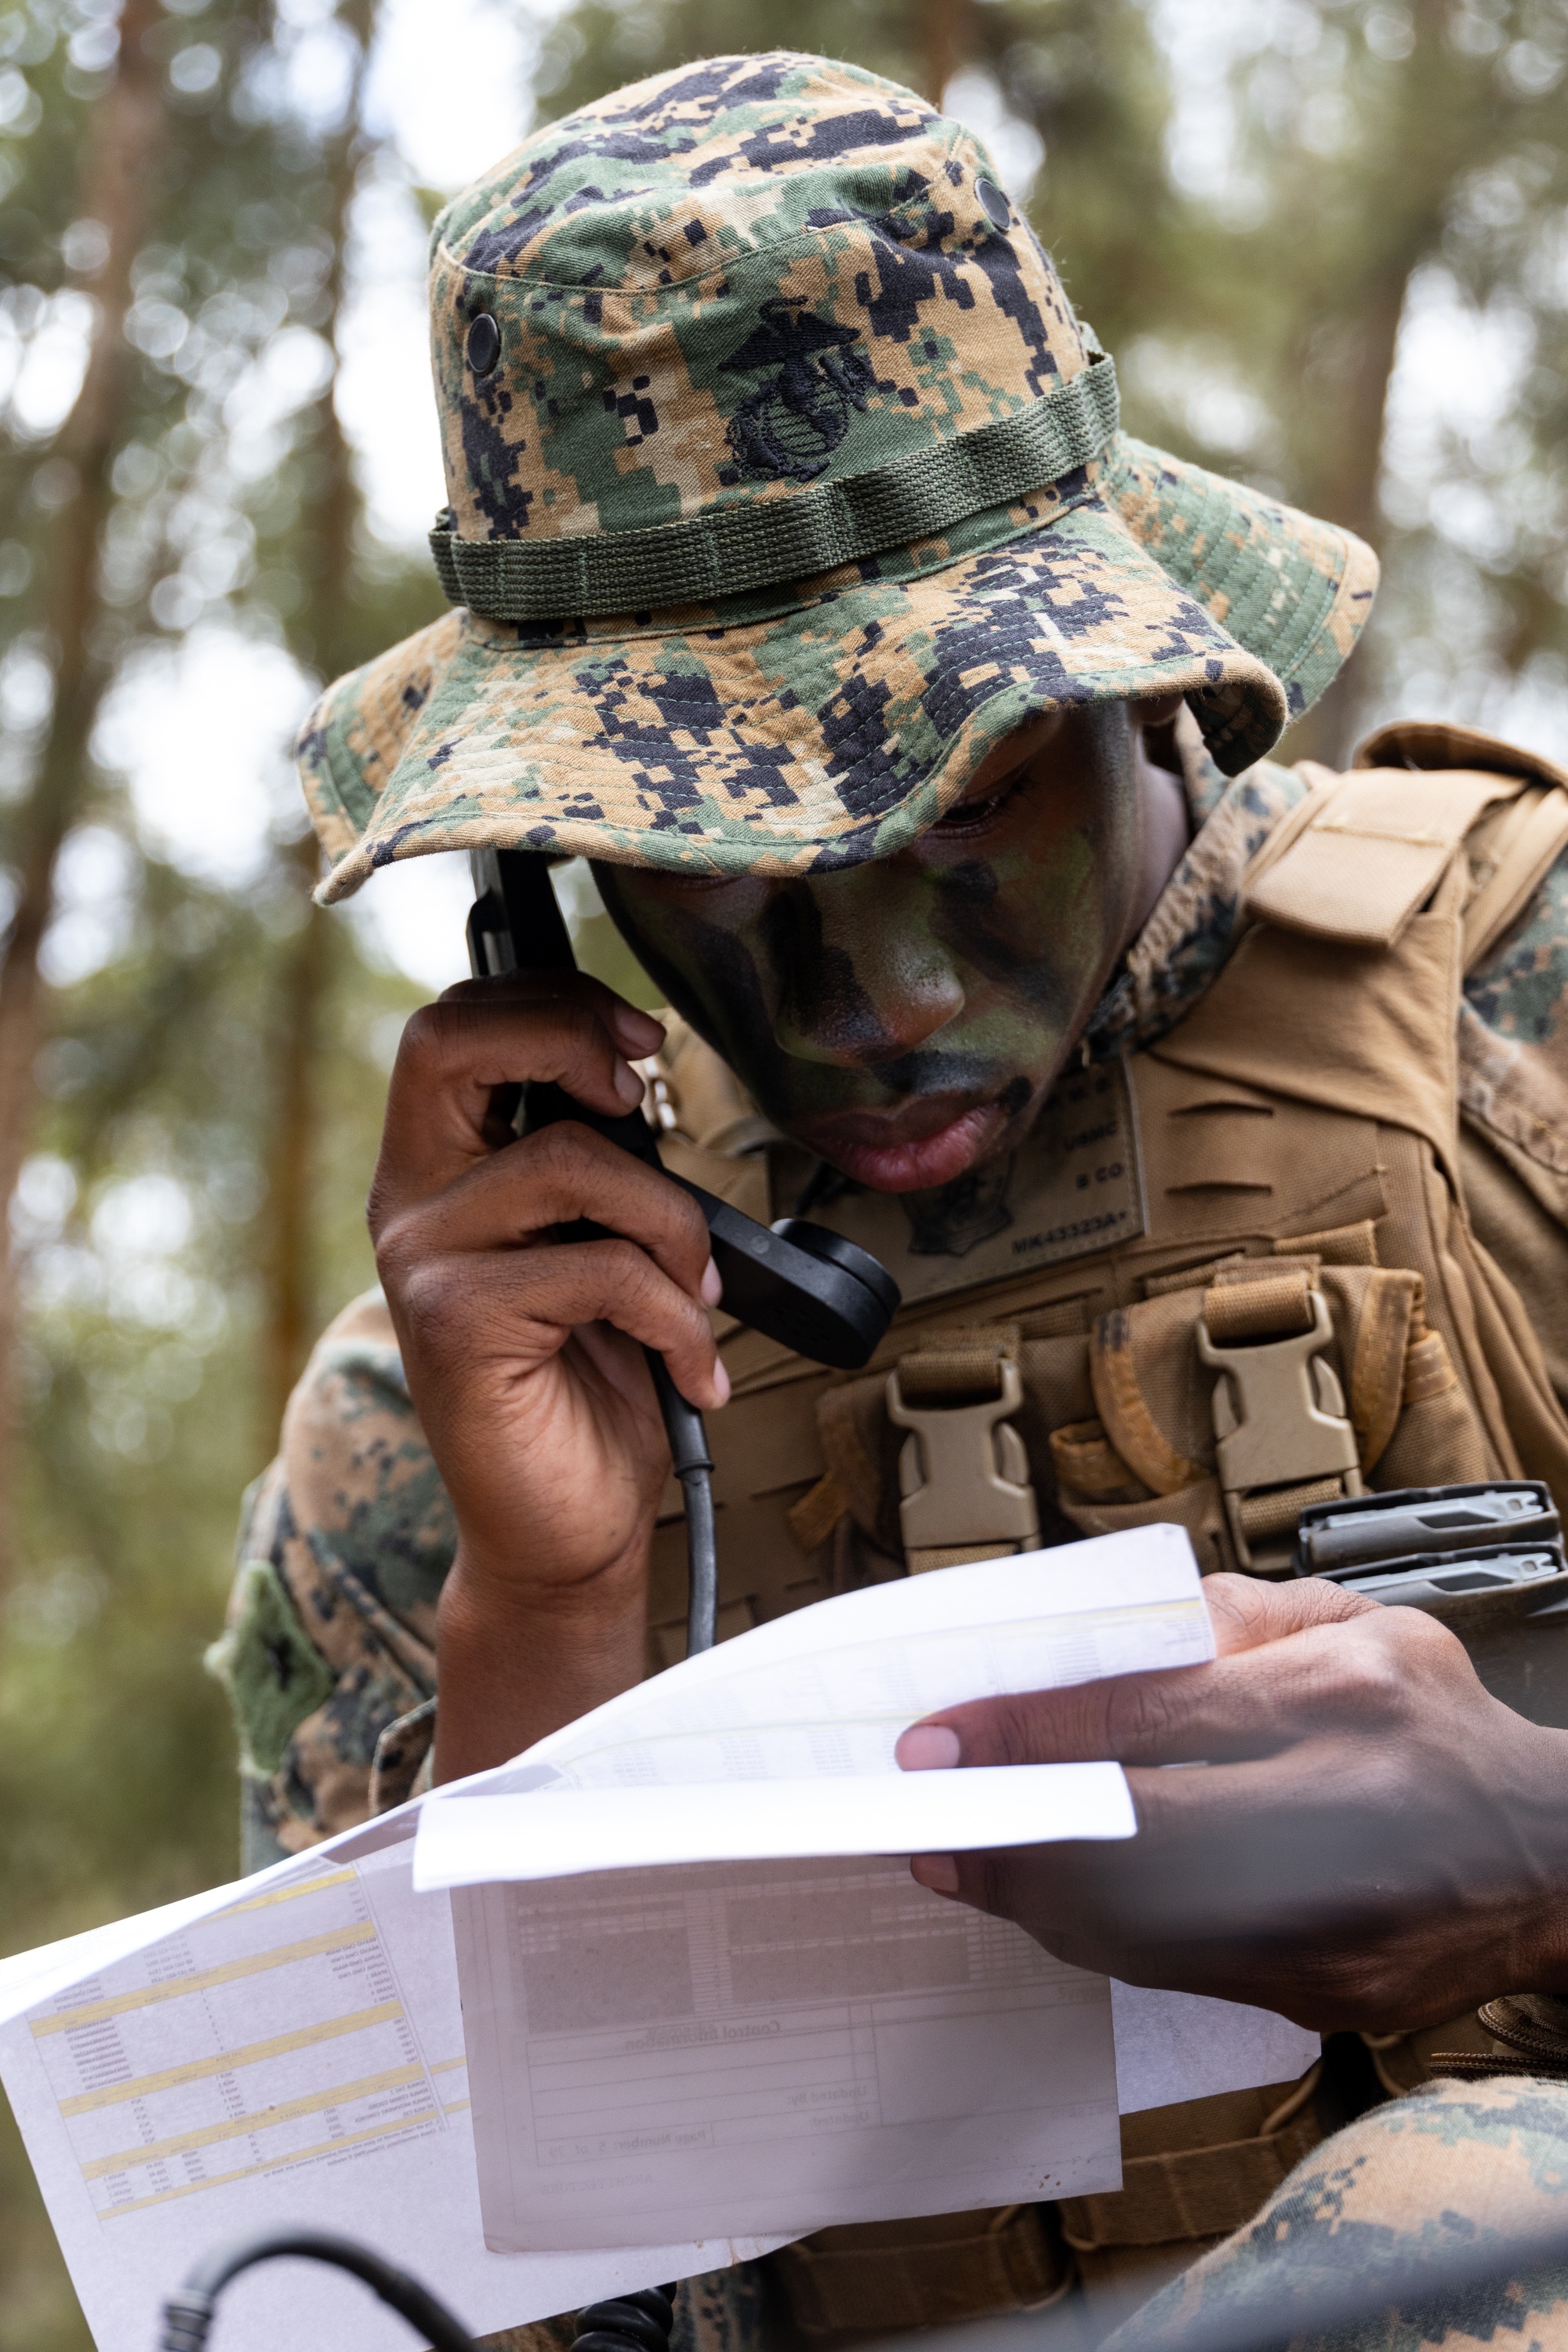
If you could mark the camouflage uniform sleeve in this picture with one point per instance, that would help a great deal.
(329, 1652)
(1513, 1046)
(1455, 2167)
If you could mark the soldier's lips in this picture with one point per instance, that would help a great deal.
(903, 1151)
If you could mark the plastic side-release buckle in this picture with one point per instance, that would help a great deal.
(963, 1477)
(1282, 1440)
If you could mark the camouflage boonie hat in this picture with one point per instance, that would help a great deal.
(785, 483)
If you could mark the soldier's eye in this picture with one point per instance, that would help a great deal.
(967, 816)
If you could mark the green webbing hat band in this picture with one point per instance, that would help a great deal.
(731, 548)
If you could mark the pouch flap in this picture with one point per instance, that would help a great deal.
(1373, 853)
(1436, 743)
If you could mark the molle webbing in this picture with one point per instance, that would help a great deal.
(951, 1369)
(1197, 2191)
(1268, 1306)
(871, 2277)
(725, 550)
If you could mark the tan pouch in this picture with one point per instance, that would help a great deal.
(965, 1492)
(861, 1445)
(1119, 1429)
(873, 2277)
(1198, 1508)
(1174, 1372)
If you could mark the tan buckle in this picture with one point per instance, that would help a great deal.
(964, 1476)
(1278, 1417)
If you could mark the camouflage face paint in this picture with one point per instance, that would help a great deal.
(905, 1019)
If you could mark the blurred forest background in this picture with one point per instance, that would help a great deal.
(1328, 242)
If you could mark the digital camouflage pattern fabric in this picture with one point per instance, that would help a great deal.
(1455, 2168)
(766, 333)
(329, 1657)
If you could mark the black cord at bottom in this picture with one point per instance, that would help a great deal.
(188, 2315)
(639, 2321)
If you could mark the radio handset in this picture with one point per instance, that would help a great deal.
(810, 1289)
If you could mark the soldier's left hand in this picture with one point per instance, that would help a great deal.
(1373, 1841)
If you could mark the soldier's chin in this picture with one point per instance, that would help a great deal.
(920, 1164)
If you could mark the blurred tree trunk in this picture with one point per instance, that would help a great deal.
(945, 44)
(119, 178)
(289, 1270)
(1345, 486)
(1412, 188)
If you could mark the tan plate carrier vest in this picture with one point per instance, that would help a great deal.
(1300, 1308)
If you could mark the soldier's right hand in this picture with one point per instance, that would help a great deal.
(524, 1352)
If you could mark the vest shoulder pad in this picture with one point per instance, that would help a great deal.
(1365, 850)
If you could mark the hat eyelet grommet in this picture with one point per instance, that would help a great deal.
(998, 211)
(481, 345)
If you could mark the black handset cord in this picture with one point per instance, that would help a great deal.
(638, 2322)
(517, 926)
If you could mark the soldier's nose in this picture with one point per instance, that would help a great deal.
(862, 978)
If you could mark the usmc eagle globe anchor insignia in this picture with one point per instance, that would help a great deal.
(789, 427)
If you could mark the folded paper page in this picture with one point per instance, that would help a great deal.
(826, 1690)
(556, 1832)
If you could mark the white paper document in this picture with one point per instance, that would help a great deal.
(558, 1831)
(813, 2042)
(824, 1693)
(699, 2014)
(701, 2000)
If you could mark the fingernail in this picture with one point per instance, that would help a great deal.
(628, 1085)
(713, 1286)
(720, 1380)
(639, 1033)
(937, 1871)
(927, 1748)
